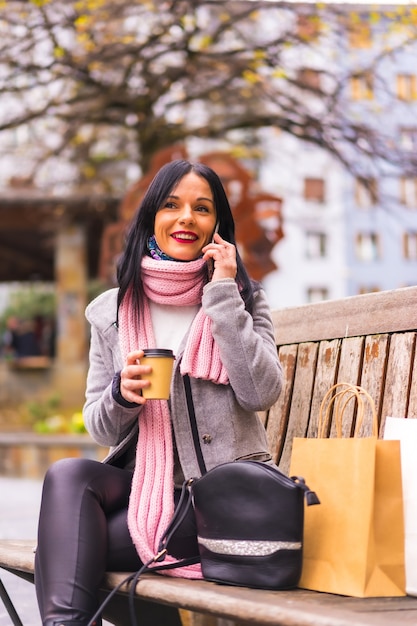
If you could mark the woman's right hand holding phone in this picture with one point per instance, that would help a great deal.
(223, 256)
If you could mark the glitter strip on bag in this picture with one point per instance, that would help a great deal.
(247, 548)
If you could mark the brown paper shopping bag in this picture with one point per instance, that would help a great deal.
(354, 541)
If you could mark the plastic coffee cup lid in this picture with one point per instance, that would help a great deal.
(159, 352)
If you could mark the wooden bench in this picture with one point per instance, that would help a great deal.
(368, 340)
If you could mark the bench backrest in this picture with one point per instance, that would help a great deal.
(367, 340)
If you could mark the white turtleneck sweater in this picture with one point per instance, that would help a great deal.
(170, 323)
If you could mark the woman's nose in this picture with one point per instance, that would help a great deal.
(187, 215)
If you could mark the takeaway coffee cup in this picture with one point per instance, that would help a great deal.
(161, 361)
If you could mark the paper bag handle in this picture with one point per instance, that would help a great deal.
(338, 397)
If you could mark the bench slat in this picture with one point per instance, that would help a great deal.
(373, 370)
(399, 371)
(18, 554)
(383, 312)
(412, 406)
(325, 376)
(274, 608)
(278, 415)
(351, 357)
(300, 399)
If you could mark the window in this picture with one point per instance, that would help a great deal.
(316, 245)
(408, 192)
(309, 27)
(317, 294)
(408, 139)
(309, 78)
(314, 189)
(366, 192)
(362, 86)
(367, 247)
(410, 246)
(407, 87)
(359, 34)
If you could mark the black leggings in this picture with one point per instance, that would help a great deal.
(82, 533)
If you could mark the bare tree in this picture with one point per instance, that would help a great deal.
(114, 81)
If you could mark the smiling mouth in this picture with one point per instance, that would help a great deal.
(184, 237)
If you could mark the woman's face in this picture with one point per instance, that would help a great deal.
(186, 222)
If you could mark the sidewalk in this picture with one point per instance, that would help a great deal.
(20, 501)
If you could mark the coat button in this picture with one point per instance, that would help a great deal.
(207, 438)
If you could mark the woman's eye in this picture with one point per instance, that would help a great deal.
(169, 205)
(203, 209)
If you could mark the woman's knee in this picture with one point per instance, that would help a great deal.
(66, 475)
(69, 469)
(73, 477)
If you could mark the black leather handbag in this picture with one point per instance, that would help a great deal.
(250, 521)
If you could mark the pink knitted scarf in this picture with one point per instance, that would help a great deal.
(151, 503)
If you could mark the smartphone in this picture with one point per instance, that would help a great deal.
(210, 262)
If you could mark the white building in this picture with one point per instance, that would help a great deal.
(345, 236)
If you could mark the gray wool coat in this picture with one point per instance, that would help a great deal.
(228, 425)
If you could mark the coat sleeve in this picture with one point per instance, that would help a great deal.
(246, 343)
(107, 421)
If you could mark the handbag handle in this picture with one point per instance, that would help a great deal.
(337, 398)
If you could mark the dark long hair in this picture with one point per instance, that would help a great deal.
(142, 227)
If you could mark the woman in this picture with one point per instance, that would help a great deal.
(182, 285)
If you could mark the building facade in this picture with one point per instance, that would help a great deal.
(345, 234)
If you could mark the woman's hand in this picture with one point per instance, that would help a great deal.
(223, 255)
(133, 378)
